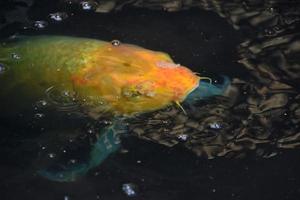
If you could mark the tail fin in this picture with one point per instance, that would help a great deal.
(205, 90)
(106, 144)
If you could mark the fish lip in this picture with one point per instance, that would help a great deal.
(191, 91)
(195, 87)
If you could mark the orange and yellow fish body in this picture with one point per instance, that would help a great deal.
(103, 77)
(99, 77)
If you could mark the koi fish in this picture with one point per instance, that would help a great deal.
(102, 78)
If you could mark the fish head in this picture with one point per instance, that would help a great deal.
(131, 79)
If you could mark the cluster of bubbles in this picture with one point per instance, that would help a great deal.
(183, 137)
(55, 17)
(40, 24)
(129, 189)
(58, 16)
(61, 16)
(39, 107)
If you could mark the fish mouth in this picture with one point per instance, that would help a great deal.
(194, 88)
(192, 92)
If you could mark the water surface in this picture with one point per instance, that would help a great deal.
(241, 147)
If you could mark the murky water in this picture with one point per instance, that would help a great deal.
(240, 146)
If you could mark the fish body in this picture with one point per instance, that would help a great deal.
(98, 77)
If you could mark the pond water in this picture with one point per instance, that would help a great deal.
(242, 145)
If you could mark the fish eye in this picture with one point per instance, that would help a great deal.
(116, 43)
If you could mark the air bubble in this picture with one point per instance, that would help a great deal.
(52, 155)
(73, 161)
(41, 104)
(39, 116)
(58, 16)
(269, 32)
(271, 10)
(124, 151)
(116, 43)
(66, 93)
(165, 121)
(3, 69)
(129, 189)
(90, 131)
(40, 24)
(215, 125)
(106, 122)
(85, 5)
(15, 56)
(183, 137)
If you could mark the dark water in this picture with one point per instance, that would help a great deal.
(255, 150)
